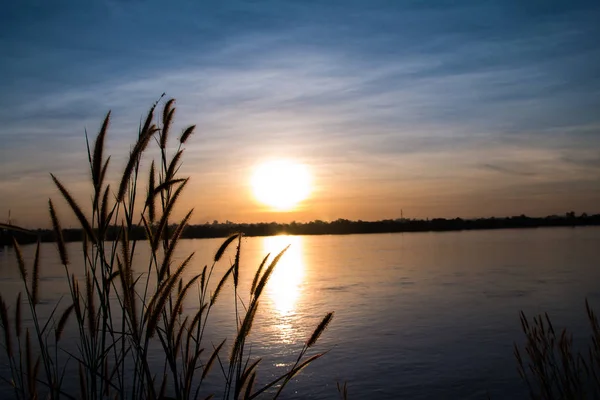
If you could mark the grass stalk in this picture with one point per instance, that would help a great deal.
(118, 321)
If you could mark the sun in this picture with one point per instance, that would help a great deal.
(281, 184)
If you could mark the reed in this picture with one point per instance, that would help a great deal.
(121, 315)
(35, 278)
(550, 365)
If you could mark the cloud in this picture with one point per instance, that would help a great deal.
(367, 91)
(507, 170)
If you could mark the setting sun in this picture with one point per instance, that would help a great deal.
(281, 184)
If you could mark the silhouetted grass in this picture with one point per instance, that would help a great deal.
(114, 337)
(550, 366)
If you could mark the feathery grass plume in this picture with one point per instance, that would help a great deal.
(203, 278)
(197, 317)
(5, 326)
(150, 199)
(212, 359)
(168, 113)
(162, 224)
(191, 329)
(158, 292)
(257, 275)
(60, 242)
(123, 340)
(179, 304)
(236, 262)
(104, 218)
(103, 172)
(148, 231)
(20, 260)
(148, 121)
(167, 109)
(134, 157)
(126, 254)
(163, 186)
(76, 296)
(265, 278)
(319, 330)
(76, 209)
(172, 245)
(220, 285)
(159, 302)
(99, 170)
(552, 369)
(223, 247)
(91, 305)
(62, 322)
(173, 165)
(35, 278)
(114, 276)
(182, 330)
(98, 149)
(244, 331)
(129, 304)
(186, 134)
(124, 281)
(18, 315)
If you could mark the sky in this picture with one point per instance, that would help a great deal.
(436, 108)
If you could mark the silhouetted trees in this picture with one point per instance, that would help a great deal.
(338, 227)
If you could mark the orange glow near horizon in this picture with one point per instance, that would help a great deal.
(281, 184)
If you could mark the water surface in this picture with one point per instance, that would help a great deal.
(417, 315)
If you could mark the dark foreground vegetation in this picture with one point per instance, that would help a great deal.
(553, 367)
(138, 335)
(338, 227)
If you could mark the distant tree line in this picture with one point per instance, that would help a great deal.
(218, 229)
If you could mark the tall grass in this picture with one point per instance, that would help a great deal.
(551, 367)
(119, 316)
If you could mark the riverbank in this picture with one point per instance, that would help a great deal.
(337, 227)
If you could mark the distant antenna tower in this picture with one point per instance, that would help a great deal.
(401, 214)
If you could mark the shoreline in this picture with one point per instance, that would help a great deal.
(338, 227)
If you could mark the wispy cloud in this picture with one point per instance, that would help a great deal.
(430, 99)
(510, 170)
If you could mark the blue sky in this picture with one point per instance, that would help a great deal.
(439, 108)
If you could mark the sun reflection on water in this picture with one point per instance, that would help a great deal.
(284, 288)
